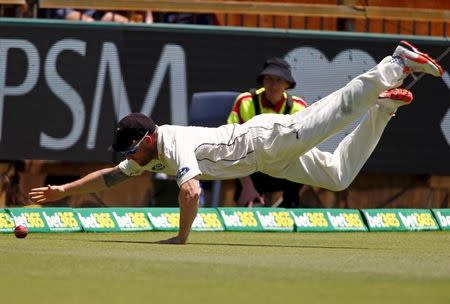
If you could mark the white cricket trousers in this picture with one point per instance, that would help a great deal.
(299, 160)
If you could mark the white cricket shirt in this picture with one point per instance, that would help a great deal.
(212, 153)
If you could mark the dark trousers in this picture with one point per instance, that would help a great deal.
(265, 184)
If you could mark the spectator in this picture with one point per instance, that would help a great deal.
(275, 79)
(186, 18)
(15, 10)
(96, 15)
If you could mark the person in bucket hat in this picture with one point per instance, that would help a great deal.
(271, 96)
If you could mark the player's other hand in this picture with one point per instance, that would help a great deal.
(249, 198)
(256, 202)
(176, 240)
(43, 195)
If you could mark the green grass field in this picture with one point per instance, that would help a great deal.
(226, 268)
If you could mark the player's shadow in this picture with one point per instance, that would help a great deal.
(277, 246)
(236, 245)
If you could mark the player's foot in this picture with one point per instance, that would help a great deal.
(392, 99)
(416, 61)
(399, 96)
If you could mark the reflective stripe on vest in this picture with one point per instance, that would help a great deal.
(287, 108)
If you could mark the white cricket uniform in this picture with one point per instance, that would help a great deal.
(283, 145)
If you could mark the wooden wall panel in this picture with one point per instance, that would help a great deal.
(438, 29)
(267, 21)
(358, 25)
(272, 21)
(422, 28)
(234, 19)
(250, 20)
(434, 4)
(298, 22)
(409, 27)
(282, 22)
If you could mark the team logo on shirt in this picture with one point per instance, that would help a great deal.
(181, 172)
(158, 167)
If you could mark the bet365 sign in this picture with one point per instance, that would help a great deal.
(328, 220)
(46, 219)
(400, 219)
(168, 219)
(114, 219)
(6, 221)
(443, 218)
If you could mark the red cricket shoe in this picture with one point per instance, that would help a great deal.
(417, 61)
(399, 96)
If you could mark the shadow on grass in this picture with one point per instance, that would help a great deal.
(222, 244)
(234, 245)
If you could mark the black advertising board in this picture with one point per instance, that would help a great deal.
(64, 85)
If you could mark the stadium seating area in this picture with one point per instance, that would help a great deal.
(430, 18)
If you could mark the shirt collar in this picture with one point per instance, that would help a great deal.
(267, 104)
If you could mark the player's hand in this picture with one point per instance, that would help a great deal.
(176, 240)
(47, 194)
(250, 199)
(249, 194)
(256, 202)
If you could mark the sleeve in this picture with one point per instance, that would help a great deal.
(183, 154)
(130, 167)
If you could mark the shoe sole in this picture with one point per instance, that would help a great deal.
(400, 95)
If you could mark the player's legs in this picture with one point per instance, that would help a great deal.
(334, 112)
(289, 136)
(337, 110)
(335, 171)
(285, 138)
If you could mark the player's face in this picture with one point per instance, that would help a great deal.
(275, 87)
(143, 153)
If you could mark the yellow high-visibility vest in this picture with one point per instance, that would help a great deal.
(249, 104)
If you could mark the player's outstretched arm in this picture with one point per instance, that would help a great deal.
(93, 182)
(188, 198)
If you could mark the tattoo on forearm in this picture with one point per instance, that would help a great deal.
(113, 178)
